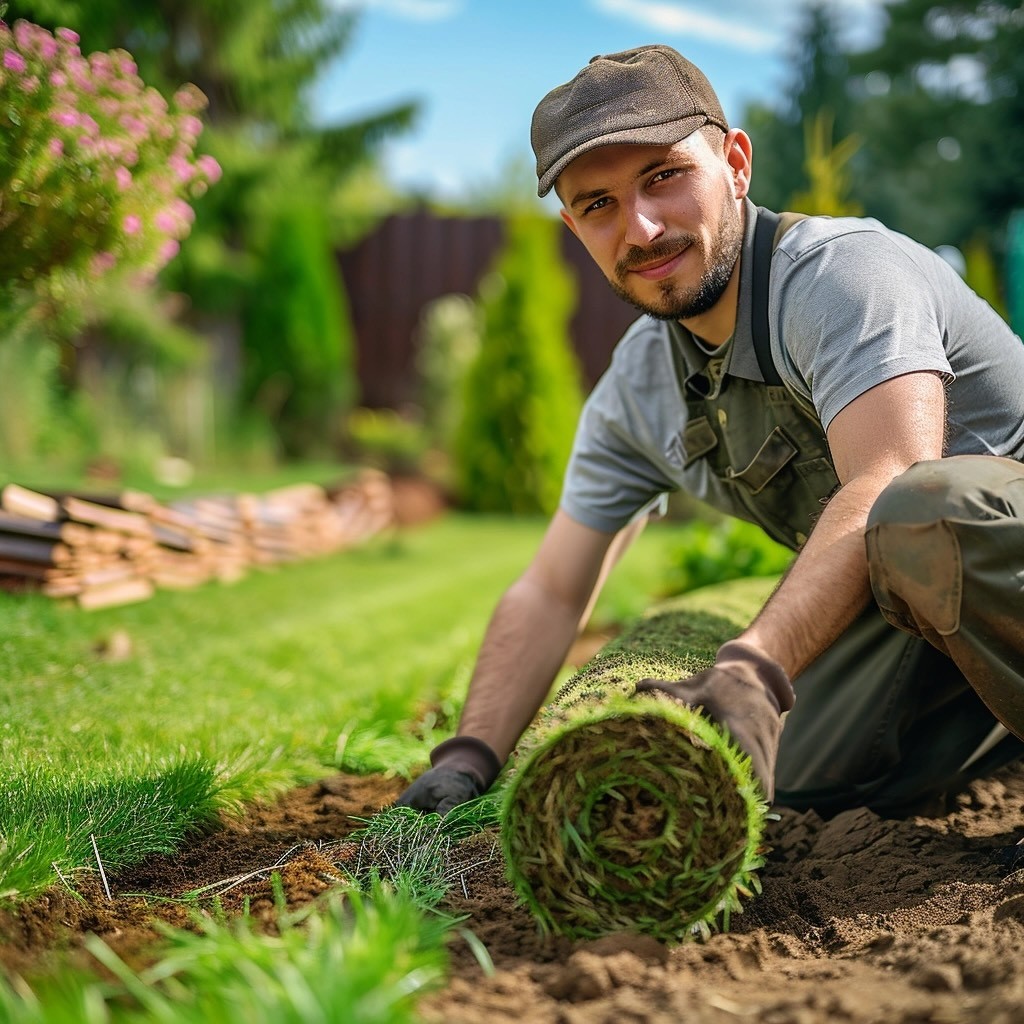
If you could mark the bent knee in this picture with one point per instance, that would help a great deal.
(963, 487)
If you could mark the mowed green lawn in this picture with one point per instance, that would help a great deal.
(130, 726)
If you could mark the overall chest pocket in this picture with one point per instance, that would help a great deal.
(783, 485)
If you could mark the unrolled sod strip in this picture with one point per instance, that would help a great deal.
(635, 813)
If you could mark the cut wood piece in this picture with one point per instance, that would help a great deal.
(109, 518)
(29, 570)
(170, 537)
(21, 501)
(70, 533)
(103, 575)
(69, 587)
(117, 593)
(32, 549)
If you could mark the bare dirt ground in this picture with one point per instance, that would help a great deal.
(861, 919)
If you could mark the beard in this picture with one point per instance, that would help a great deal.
(677, 302)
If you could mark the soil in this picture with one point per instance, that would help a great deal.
(861, 918)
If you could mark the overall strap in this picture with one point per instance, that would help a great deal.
(764, 246)
(768, 231)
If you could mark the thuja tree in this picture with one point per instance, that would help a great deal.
(297, 334)
(523, 391)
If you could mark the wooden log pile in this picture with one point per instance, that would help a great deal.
(114, 549)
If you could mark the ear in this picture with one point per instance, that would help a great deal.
(739, 153)
(569, 222)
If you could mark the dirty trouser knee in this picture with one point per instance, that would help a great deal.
(945, 545)
(885, 718)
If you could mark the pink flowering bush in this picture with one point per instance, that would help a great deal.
(96, 168)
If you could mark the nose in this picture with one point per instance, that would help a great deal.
(642, 222)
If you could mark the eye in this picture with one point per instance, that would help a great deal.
(668, 172)
(597, 204)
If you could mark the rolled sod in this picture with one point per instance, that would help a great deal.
(632, 813)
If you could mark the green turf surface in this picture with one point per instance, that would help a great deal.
(230, 692)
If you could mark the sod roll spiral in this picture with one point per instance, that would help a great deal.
(634, 813)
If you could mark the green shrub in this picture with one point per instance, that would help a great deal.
(522, 395)
(297, 338)
(449, 342)
(71, 126)
(386, 440)
(726, 550)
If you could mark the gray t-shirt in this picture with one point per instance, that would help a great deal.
(851, 304)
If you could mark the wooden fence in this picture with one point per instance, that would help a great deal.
(411, 259)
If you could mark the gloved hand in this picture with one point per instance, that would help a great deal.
(462, 768)
(747, 692)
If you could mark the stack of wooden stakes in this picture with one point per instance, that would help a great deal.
(116, 549)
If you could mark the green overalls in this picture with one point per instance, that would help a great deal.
(883, 718)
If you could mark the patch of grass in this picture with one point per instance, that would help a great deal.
(256, 681)
(419, 853)
(358, 660)
(60, 823)
(353, 959)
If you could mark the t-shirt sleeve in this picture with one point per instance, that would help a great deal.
(852, 312)
(610, 477)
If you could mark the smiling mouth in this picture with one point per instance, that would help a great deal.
(660, 267)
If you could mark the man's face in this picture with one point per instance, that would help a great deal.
(662, 222)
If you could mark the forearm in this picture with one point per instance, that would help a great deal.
(524, 648)
(826, 587)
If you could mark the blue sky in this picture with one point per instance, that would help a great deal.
(478, 67)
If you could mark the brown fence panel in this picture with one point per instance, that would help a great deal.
(412, 259)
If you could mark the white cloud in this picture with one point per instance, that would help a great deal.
(679, 19)
(750, 25)
(412, 10)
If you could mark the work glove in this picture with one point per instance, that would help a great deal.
(462, 768)
(745, 691)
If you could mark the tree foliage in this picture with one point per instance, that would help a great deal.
(522, 396)
(816, 92)
(256, 62)
(945, 133)
(936, 104)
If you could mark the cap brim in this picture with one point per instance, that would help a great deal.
(665, 134)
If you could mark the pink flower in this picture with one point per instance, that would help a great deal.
(166, 222)
(29, 83)
(101, 263)
(133, 125)
(47, 46)
(169, 250)
(209, 167)
(58, 79)
(124, 178)
(191, 126)
(68, 36)
(132, 224)
(14, 61)
(25, 35)
(181, 167)
(55, 147)
(183, 212)
(66, 118)
(189, 99)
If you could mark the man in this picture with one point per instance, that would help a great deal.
(860, 403)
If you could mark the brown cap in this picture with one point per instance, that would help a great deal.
(650, 96)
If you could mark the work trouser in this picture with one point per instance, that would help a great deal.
(925, 691)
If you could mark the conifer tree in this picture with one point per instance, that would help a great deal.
(523, 393)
